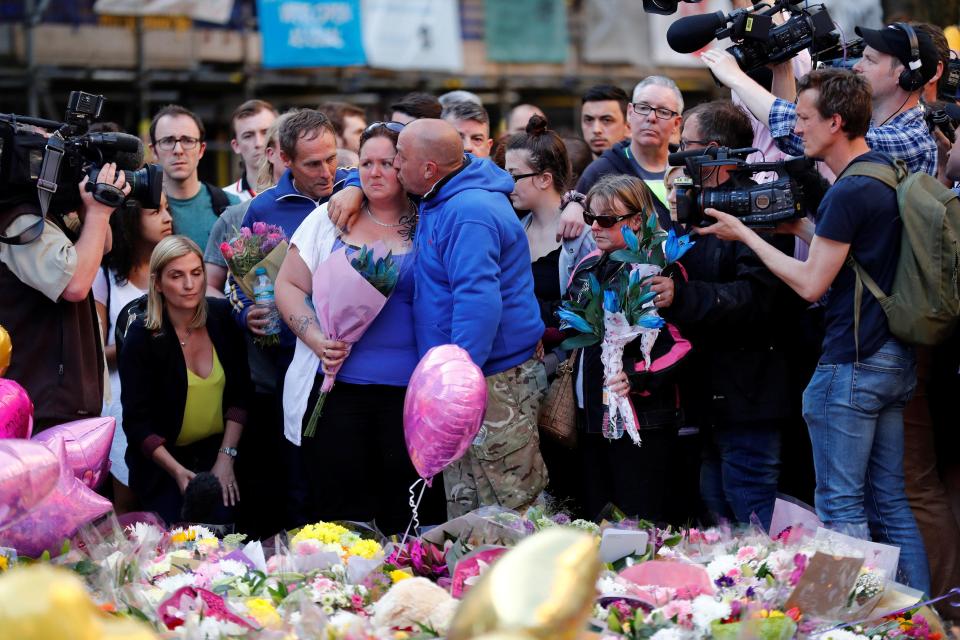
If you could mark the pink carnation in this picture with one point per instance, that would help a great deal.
(245, 232)
(226, 250)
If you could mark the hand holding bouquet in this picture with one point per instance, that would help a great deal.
(262, 245)
(347, 296)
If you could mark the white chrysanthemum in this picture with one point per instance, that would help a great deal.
(671, 633)
(145, 535)
(609, 585)
(721, 565)
(706, 610)
(232, 568)
(172, 583)
(842, 634)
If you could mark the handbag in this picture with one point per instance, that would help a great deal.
(558, 411)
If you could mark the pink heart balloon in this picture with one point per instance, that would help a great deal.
(88, 446)
(28, 473)
(58, 516)
(16, 410)
(443, 408)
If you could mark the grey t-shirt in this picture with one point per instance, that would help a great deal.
(224, 229)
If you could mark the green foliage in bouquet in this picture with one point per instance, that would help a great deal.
(382, 273)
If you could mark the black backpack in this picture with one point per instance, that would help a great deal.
(218, 199)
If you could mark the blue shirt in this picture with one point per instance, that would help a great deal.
(904, 136)
(387, 351)
(194, 217)
(873, 233)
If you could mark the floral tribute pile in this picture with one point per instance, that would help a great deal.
(345, 580)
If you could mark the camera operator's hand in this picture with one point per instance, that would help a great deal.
(344, 207)
(944, 147)
(664, 288)
(108, 175)
(570, 225)
(726, 227)
(723, 65)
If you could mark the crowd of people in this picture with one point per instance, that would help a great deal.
(773, 365)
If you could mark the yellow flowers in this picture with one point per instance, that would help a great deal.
(4, 563)
(398, 575)
(365, 549)
(325, 532)
(263, 611)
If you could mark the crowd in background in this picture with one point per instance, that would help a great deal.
(762, 382)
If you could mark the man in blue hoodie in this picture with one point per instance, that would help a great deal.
(475, 290)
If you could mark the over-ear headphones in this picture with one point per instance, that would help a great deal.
(911, 78)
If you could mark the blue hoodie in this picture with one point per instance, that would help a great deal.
(474, 282)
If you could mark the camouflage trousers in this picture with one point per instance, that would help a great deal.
(503, 466)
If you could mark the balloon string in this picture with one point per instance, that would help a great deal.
(414, 505)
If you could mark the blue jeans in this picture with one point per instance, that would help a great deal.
(740, 469)
(854, 412)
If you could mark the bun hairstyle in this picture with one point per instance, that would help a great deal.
(547, 152)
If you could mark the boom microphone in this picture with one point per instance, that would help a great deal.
(692, 33)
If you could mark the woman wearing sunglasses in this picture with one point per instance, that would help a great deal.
(636, 479)
(360, 432)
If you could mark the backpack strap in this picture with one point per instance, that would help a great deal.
(218, 198)
(892, 177)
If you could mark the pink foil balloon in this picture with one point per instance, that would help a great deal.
(28, 473)
(443, 408)
(88, 446)
(57, 517)
(16, 410)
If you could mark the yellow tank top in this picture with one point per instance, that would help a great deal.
(203, 412)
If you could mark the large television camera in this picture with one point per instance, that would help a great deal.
(798, 189)
(758, 41)
(42, 161)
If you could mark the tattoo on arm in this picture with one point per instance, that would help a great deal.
(300, 325)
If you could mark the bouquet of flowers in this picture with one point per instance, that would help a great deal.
(262, 245)
(348, 294)
(619, 311)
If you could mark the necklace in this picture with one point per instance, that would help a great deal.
(183, 342)
(379, 223)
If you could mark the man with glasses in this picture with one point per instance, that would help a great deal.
(177, 141)
(731, 309)
(654, 118)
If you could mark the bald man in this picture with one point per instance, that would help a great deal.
(475, 290)
(520, 115)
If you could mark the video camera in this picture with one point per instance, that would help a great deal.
(943, 116)
(42, 161)
(758, 41)
(797, 189)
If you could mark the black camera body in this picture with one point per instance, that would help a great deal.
(663, 7)
(42, 161)
(757, 205)
(806, 29)
(758, 41)
(937, 116)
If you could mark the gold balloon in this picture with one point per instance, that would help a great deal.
(6, 350)
(41, 602)
(543, 588)
(952, 34)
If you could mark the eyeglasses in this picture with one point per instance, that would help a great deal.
(686, 143)
(186, 143)
(606, 222)
(644, 109)
(517, 177)
(396, 127)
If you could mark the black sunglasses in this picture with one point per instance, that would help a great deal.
(606, 222)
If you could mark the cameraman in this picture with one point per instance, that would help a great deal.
(854, 403)
(898, 125)
(47, 306)
(727, 307)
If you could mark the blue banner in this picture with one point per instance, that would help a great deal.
(310, 33)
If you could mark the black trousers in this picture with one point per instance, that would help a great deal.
(637, 480)
(356, 467)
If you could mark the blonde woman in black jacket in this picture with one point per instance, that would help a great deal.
(185, 384)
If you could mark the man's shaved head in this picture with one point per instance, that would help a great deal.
(427, 150)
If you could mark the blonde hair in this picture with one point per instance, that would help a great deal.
(631, 192)
(265, 170)
(166, 251)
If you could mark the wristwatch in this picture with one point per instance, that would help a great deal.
(230, 451)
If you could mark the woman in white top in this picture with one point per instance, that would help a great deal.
(124, 277)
